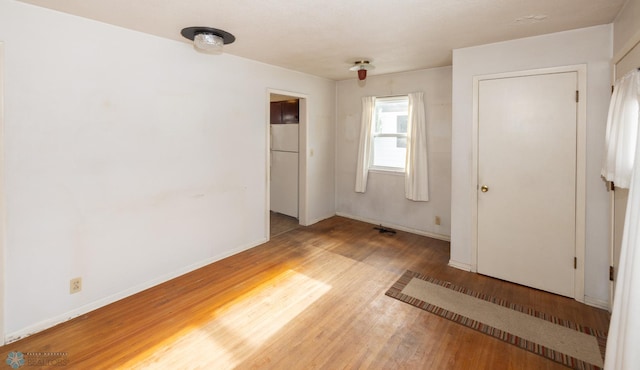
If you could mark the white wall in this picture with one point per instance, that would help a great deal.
(591, 46)
(131, 159)
(384, 200)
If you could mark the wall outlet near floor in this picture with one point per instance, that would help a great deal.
(437, 220)
(75, 285)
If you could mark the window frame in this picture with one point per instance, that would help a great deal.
(375, 168)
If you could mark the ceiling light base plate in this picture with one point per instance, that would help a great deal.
(191, 32)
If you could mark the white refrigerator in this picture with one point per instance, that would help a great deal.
(284, 169)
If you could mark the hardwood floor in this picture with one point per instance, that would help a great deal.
(280, 223)
(311, 298)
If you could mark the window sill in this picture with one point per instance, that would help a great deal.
(387, 172)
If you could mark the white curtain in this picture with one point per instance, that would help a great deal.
(622, 130)
(364, 147)
(624, 330)
(416, 183)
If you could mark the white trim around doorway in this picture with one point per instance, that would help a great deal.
(302, 157)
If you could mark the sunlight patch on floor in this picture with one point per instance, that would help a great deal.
(241, 327)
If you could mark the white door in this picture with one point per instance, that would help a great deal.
(527, 146)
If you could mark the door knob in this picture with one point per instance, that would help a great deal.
(484, 188)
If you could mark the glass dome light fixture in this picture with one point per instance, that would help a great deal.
(207, 39)
(362, 66)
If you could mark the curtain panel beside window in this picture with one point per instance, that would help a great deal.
(364, 147)
(416, 182)
(622, 131)
(622, 165)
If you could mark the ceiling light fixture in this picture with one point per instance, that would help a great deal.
(362, 66)
(207, 39)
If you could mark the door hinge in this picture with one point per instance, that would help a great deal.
(611, 273)
(613, 186)
(612, 89)
(577, 96)
(575, 262)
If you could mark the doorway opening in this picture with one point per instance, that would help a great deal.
(286, 167)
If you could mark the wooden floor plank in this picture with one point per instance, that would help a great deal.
(311, 298)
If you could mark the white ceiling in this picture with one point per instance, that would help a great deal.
(325, 37)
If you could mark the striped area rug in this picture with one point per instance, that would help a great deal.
(559, 340)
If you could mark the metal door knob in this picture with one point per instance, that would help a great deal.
(484, 188)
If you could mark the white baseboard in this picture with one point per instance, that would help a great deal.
(460, 265)
(597, 302)
(46, 324)
(316, 220)
(446, 238)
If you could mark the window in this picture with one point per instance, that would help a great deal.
(389, 134)
(391, 140)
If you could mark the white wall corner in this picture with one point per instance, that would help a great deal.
(597, 302)
(460, 265)
(316, 220)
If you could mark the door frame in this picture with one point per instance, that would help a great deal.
(302, 157)
(581, 154)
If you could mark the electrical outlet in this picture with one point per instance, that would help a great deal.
(437, 221)
(75, 285)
